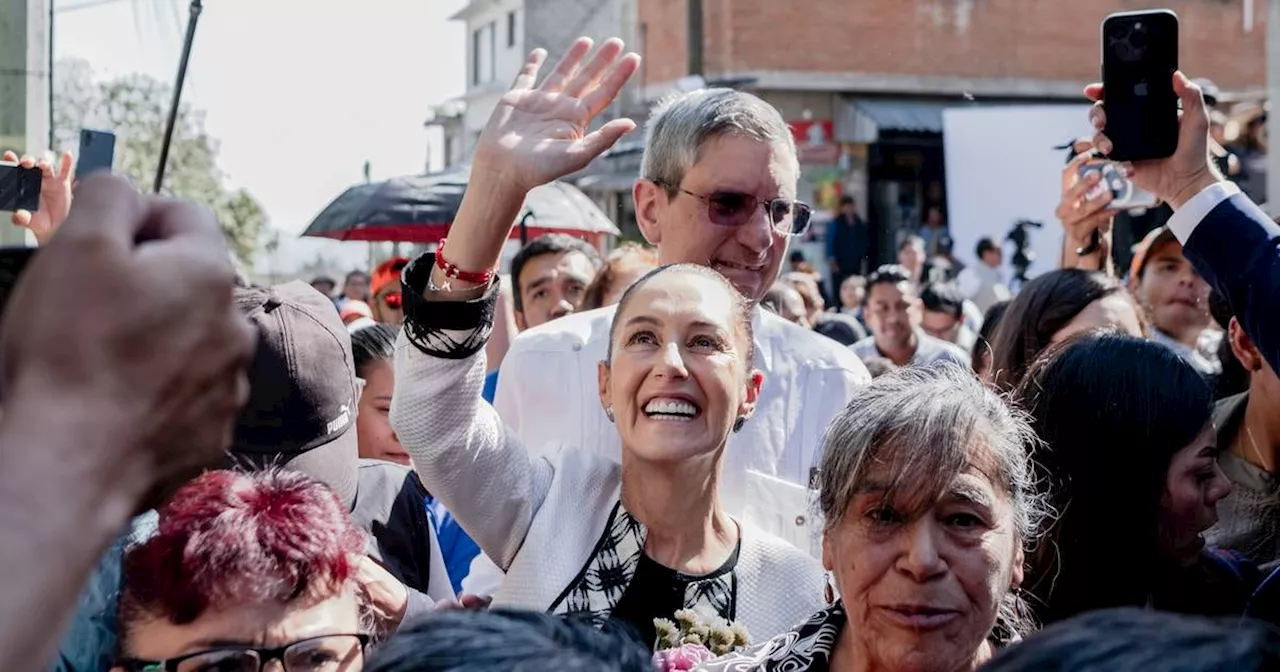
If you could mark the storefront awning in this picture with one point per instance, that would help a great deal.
(862, 121)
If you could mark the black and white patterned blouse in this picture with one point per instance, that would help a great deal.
(806, 648)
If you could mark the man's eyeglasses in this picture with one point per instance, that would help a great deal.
(328, 653)
(732, 208)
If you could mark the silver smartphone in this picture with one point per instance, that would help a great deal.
(1125, 195)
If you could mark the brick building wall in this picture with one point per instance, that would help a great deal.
(911, 45)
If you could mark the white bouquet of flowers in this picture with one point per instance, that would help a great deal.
(693, 639)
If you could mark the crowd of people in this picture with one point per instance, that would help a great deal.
(432, 467)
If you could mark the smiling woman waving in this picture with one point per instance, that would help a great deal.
(578, 534)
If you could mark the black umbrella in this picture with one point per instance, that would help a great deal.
(421, 208)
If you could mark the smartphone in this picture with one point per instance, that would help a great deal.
(19, 187)
(97, 152)
(12, 262)
(1139, 57)
(1125, 195)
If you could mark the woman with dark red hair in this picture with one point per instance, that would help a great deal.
(245, 569)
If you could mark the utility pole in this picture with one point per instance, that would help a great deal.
(1273, 96)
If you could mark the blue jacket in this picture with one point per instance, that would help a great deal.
(1236, 249)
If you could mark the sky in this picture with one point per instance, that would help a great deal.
(299, 94)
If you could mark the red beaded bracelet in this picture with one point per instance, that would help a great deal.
(452, 271)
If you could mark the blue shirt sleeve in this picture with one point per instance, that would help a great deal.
(490, 386)
(457, 548)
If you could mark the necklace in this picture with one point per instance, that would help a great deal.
(1257, 454)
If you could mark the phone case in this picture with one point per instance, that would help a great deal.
(19, 188)
(1139, 57)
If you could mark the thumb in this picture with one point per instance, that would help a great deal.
(1195, 118)
(596, 143)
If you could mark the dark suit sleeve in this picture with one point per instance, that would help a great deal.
(1236, 248)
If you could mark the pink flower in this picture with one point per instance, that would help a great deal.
(681, 659)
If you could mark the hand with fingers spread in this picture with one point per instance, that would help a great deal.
(55, 195)
(1082, 211)
(537, 133)
(1176, 179)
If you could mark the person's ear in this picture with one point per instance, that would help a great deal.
(755, 383)
(602, 379)
(1019, 572)
(827, 562)
(651, 205)
(1243, 348)
(520, 323)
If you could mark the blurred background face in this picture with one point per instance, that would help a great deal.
(324, 287)
(1193, 489)
(941, 325)
(267, 625)
(790, 305)
(552, 286)
(993, 258)
(388, 305)
(892, 313)
(373, 421)
(852, 295)
(356, 287)
(912, 257)
(677, 381)
(922, 588)
(624, 278)
(750, 255)
(1175, 296)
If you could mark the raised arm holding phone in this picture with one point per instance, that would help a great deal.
(1233, 244)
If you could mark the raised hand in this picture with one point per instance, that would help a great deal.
(540, 133)
(55, 196)
(536, 134)
(1081, 214)
(1177, 178)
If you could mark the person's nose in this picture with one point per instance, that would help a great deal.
(757, 234)
(563, 306)
(1219, 488)
(672, 362)
(921, 558)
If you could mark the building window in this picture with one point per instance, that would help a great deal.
(483, 54)
(511, 29)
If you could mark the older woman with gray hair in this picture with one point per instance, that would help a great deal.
(929, 502)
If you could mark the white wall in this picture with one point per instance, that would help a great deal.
(508, 59)
(1001, 167)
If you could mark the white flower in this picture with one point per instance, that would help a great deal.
(668, 633)
(687, 618)
(740, 636)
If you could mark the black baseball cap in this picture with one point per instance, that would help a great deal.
(302, 400)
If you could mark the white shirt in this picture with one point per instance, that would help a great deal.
(549, 395)
(983, 285)
(1184, 220)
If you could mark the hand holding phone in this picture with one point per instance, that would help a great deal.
(46, 195)
(1125, 195)
(1178, 178)
(1139, 57)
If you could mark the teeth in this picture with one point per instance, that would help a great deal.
(670, 407)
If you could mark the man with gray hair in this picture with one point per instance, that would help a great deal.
(718, 188)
